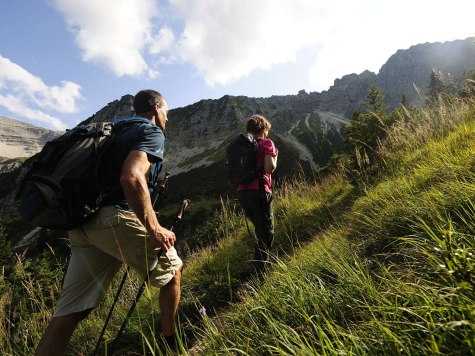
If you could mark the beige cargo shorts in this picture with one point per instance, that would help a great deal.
(99, 248)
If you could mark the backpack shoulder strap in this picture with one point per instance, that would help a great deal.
(130, 120)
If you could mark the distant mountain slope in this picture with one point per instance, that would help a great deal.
(19, 139)
(196, 133)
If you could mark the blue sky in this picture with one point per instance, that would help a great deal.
(63, 60)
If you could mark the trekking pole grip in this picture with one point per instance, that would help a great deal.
(181, 211)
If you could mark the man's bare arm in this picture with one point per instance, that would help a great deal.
(134, 186)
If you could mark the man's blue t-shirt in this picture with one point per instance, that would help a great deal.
(141, 136)
(146, 137)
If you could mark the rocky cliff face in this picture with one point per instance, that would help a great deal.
(405, 73)
(18, 139)
(347, 93)
(411, 68)
(114, 110)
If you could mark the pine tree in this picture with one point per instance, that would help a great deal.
(436, 85)
(367, 129)
(375, 101)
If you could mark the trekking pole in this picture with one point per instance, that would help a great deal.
(178, 218)
(160, 192)
(157, 194)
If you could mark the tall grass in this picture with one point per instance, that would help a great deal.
(27, 293)
(395, 275)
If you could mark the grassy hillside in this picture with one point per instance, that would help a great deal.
(380, 264)
(380, 268)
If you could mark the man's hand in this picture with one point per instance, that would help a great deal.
(164, 238)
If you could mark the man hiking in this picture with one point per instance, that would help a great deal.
(125, 230)
(256, 197)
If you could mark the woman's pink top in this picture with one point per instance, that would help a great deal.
(265, 148)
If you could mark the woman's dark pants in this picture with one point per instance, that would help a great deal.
(257, 206)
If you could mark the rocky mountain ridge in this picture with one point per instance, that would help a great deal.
(19, 139)
(406, 72)
(306, 126)
(196, 132)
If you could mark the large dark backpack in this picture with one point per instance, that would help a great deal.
(242, 153)
(66, 183)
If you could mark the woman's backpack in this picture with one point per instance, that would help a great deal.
(242, 153)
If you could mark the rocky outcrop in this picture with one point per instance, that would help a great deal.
(409, 69)
(407, 72)
(19, 139)
(8, 165)
(347, 94)
(114, 110)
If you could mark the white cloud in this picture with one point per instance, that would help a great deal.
(28, 96)
(226, 40)
(111, 32)
(16, 106)
(365, 37)
(162, 42)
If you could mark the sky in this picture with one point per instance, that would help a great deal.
(61, 61)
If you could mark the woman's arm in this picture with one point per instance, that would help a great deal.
(270, 163)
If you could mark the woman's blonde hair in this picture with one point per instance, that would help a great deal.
(257, 123)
